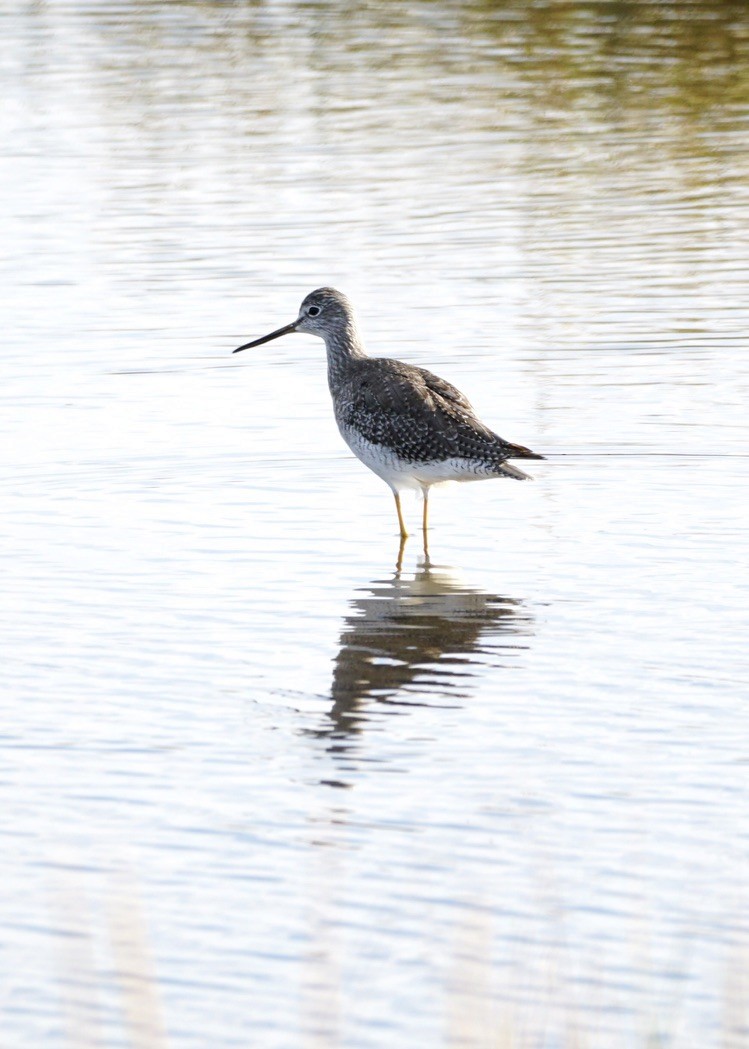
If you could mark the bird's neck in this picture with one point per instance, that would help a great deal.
(343, 347)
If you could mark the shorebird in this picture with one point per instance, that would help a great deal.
(406, 424)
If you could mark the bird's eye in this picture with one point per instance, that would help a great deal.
(313, 311)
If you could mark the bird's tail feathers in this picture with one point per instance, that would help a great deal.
(519, 451)
(508, 470)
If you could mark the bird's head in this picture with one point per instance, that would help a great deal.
(324, 312)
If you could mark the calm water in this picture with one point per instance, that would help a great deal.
(258, 787)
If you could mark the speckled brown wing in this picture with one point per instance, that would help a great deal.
(417, 414)
(454, 400)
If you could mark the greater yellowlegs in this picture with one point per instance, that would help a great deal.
(406, 424)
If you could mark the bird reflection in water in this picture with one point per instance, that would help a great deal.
(417, 642)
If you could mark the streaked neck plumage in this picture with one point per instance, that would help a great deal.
(344, 345)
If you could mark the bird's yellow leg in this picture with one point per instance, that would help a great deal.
(425, 524)
(401, 522)
(399, 562)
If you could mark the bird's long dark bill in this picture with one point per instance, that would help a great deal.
(267, 338)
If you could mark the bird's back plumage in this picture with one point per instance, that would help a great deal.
(419, 416)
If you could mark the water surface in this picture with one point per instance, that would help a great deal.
(260, 786)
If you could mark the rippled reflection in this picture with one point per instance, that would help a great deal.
(417, 640)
